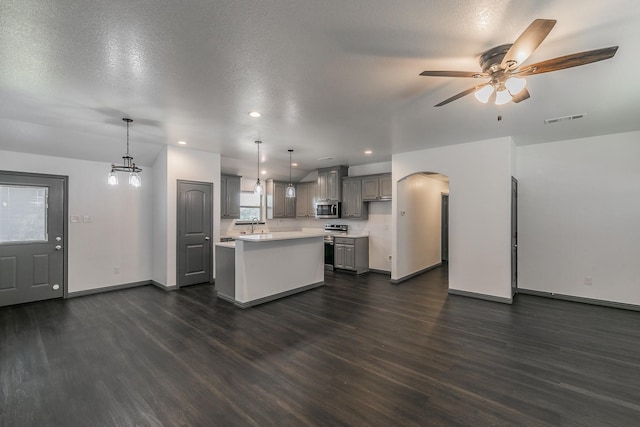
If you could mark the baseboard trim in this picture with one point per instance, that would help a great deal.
(582, 300)
(481, 296)
(412, 275)
(272, 297)
(375, 270)
(163, 287)
(108, 289)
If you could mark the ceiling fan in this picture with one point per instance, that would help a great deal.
(502, 65)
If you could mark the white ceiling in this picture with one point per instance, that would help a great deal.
(331, 78)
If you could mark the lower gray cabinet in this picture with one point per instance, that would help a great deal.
(351, 253)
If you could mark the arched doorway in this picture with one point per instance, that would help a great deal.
(420, 224)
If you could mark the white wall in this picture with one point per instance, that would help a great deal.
(579, 216)
(192, 165)
(160, 206)
(419, 223)
(120, 229)
(479, 212)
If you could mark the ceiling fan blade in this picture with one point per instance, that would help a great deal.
(521, 96)
(528, 41)
(475, 74)
(461, 94)
(568, 61)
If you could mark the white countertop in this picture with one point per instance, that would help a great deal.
(227, 244)
(280, 235)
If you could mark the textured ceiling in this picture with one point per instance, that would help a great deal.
(331, 78)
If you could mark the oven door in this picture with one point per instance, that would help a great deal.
(328, 254)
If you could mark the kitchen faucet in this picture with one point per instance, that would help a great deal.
(252, 223)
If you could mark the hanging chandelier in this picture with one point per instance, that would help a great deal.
(128, 165)
(257, 188)
(291, 190)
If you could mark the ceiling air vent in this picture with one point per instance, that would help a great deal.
(563, 119)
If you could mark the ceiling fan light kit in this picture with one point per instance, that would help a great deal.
(501, 65)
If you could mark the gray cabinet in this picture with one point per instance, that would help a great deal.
(278, 205)
(305, 200)
(351, 253)
(376, 188)
(330, 183)
(229, 197)
(352, 203)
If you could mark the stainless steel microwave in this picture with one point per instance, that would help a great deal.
(327, 209)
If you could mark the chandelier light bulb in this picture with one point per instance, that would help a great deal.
(112, 178)
(484, 94)
(134, 180)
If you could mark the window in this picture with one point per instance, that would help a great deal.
(250, 206)
(23, 214)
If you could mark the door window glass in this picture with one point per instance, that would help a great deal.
(23, 213)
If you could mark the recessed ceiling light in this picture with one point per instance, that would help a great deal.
(294, 164)
(368, 152)
(255, 114)
(182, 142)
(264, 172)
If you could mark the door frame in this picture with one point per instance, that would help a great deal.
(65, 221)
(514, 236)
(211, 243)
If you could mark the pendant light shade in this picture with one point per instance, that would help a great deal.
(291, 190)
(257, 188)
(128, 165)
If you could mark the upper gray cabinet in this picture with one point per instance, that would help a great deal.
(278, 205)
(305, 200)
(330, 183)
(353, 206)
(377, 188)
(229, 197)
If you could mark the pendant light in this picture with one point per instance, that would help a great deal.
(291, 190)
(257, 188)
(128, 165)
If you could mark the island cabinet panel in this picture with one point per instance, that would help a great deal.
(352, 254)
(330, 182)
(305, 200)
(376, 188)
(353, 206)
(229, 197)
(278, 205)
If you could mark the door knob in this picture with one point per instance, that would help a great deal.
(206, 238)
(58, 247)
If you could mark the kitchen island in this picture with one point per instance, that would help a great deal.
(258, 268)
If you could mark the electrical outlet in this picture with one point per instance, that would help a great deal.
(116, 270)
(588, 281)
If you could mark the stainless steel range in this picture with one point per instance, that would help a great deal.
(330, 231)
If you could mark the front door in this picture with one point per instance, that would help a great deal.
(514, 236)
(194, 232)
(32, 237)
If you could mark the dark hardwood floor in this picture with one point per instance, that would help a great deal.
(358, 351)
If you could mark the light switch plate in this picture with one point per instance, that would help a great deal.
(74, 218)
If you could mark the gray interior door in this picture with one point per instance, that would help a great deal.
(32, 237)
(514, 236)
(445, 227)
(194, 232)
